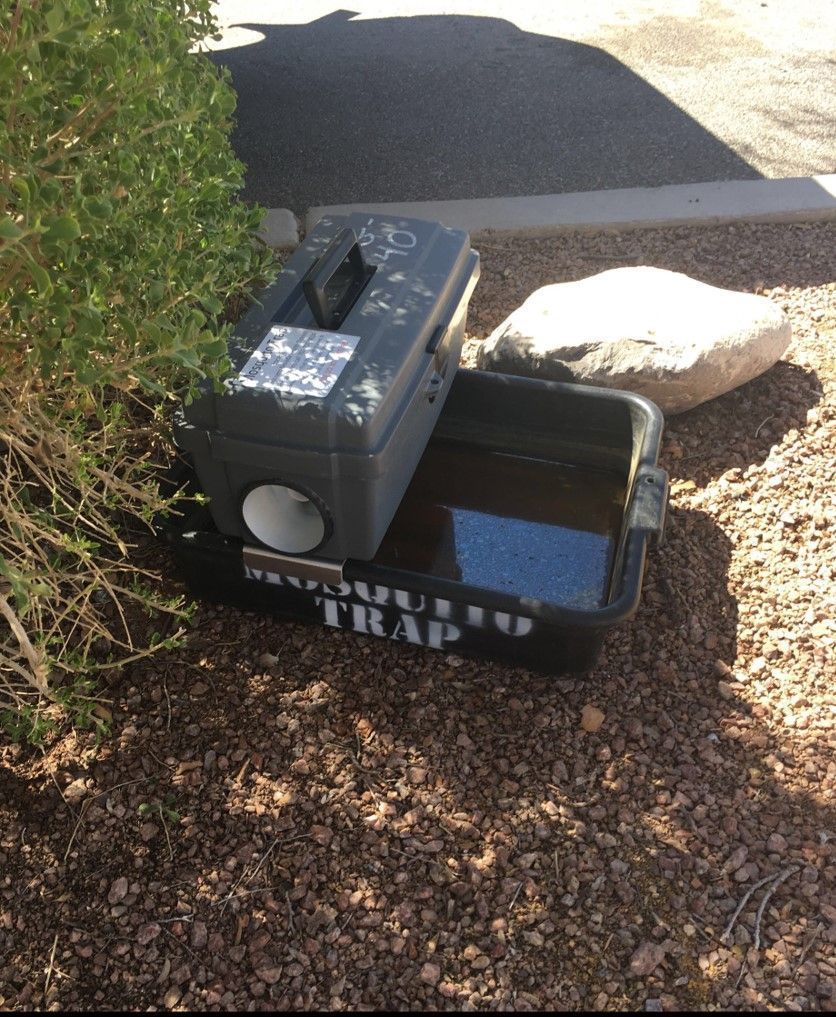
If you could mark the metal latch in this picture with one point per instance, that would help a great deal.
(259, 559)
(438, 347)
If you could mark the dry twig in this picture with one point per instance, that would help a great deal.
(774, 881)
(51, 967)
(724, 938)
(782, 877)
(806, 949)
(516, 895)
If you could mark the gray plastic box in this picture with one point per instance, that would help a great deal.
(339, 373)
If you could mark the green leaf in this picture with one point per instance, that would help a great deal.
(215, 348)
(22, 188)
(41, 280)
(108, 55)
(54, 18)
(98, 208)
(64, 227)
(9, 230)
(128, 326)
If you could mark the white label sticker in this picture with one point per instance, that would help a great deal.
(299, 361)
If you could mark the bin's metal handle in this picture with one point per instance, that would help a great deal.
(649, 505)
(330, 309)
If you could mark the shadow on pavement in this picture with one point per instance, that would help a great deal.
(438, 107)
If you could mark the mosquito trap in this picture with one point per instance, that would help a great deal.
(357, 479)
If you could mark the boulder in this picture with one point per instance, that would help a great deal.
(662, 334)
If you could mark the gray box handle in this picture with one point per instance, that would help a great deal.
(336, 279)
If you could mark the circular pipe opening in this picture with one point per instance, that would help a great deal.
(283, 518)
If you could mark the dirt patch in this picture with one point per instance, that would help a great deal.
(292, 817)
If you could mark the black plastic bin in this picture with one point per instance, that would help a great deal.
(522, 536)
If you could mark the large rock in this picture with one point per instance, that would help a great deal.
(662, 334)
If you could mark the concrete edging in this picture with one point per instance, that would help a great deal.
(792, 199)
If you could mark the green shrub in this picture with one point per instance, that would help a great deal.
(121, 244)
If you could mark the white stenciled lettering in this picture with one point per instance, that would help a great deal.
(264, 577)
(512, 624)
(410, 601)
(476, 616)
(443, 609)
(367, 620)
(435, 629)
(374, 594)
(303, 584)
(407, 630)
(331, 610)
(439, 634)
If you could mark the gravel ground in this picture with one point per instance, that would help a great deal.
(287, 817)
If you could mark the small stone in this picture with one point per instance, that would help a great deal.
(172, 997)
(736, 858)
(725, 690)
(323, 835)
(647, 957)
(430, 973)
(723, 669)
(148, 831)
(118, 890)
(145, 934)
(75, 791)
(776, 843)
(268, 974)
(200, 935)
(591, 718)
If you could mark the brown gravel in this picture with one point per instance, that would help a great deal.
(354, 824)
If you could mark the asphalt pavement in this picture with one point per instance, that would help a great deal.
(405, 101)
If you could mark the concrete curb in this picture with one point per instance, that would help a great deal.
(793, 199)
